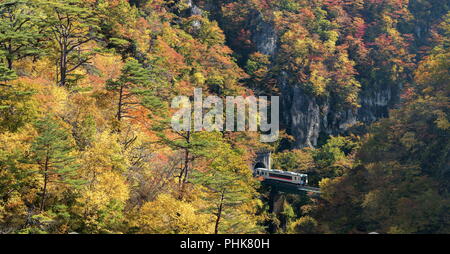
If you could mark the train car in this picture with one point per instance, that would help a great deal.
(282, 176)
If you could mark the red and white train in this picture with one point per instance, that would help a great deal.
(281, 176)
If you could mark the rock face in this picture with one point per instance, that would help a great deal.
(306, 117)
(303, 116)
(265, 36)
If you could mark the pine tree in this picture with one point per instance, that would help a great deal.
(53, 150)
(228, 185)
(133, 88)
(20, 32)
(224, 194)
(6, 75)
(72, 25)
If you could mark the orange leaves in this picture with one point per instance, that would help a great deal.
(169, 56)
(108, 66)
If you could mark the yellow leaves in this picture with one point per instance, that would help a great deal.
(318, 82)
(199, 78)
(433, 74)
(167, 215)
(208, 32)
(371, 199)
(258, 65)
(108, 65)
(13, 210)
(17, 105)
(104, 155)
(53, 99)
(14, 172)
(397, 230)
(101, 203)
(168, 56)
(108, 186)
(14, 146)
(409, 140)
(106, 190)
(219, 154)
(328, 188)
(278, 16)
(43, 69)
(304, 225)
(333, 37)
(442, 121)
(296, 160)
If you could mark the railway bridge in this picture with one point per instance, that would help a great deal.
(263, 160)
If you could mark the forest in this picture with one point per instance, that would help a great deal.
(86, 144)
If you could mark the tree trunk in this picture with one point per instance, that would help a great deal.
(219, 213)
(120, 105)
(184, 174)
(9, 57)
(44, 191)
(186, 158)
(63, 65)
(9, 60)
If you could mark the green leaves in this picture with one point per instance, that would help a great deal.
(53, 145)
(136, 86)
(53, 151)
(20, 30)
(227, 183)
(6, 75)
(72, 25)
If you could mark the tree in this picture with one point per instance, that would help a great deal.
(72, 24)
(17, 106)
(304, 225)
(20, 30)
(137, 88)
(228, 187)
(18, 182)
(6, 75)
(402, 184)
(132, 82)
(169, 215)
(53, 151)
(191, 145)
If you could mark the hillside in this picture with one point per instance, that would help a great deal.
(86, 103)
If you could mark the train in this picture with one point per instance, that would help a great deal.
(281, 176)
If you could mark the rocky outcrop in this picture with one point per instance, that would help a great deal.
(264, 36)
(306, 117)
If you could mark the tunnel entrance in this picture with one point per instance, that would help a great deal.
(259, 165)
(262, 160)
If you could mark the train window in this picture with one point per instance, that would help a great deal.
(285, 177)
